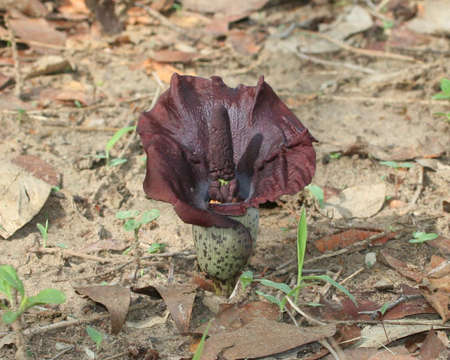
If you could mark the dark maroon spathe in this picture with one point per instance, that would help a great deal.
(240, 146)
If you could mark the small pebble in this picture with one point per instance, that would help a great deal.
(371, 259)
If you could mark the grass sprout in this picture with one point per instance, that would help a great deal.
(110, 144)
(44, 232)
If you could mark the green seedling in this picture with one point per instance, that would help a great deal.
(302, 235)
(246, 279)
(176, 7)
(223, 182)
(388, 24)
(443, 95)
(44, 232)
(317, 192)
(110, 144)
(21, 113)
(445, 90)
(199, 351)
(96, 336)
(133, 223)
(78, 104)
(156, 247)
(335, 155)
(396, 165)
(10, 285)
(420, 237)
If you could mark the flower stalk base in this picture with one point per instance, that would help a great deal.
(223, 252)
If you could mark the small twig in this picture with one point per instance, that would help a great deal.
(167, 23)
(327, 285)
(69, 253)
(377, 313)
(351, 276)
(401, 322)
(294, 320)
(334, 63)
(382, 100)
(370, 53)
(102, 274)
(326, 345)
(68, 127)
(66, 323)
(36, 43)
(186, 254)
(302, 313)
(117, 356)
(62, 352)
(381, 5)
(17, 73)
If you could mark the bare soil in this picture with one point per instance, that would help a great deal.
(338, 105)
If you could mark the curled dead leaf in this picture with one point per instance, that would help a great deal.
(115, 298)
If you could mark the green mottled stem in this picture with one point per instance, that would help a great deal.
(222, 253)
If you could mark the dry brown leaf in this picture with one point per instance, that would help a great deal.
(115, 298)
(359, 201)
(397, 204)
(39, 168)
(164, 71)
(162, 5)
(439, 300)
(23, 196)
(107, 244)
(71, 93)
(179, 299)
(171, 56)
(435, 286)
(243, 43)
(32, 8)
(224, 7)
(441, 243)
(37, 30)
(432, 346)
(347, 238)
(262, 337)
(233, 317)
(405, 269)
(47, 65)
(74, 9)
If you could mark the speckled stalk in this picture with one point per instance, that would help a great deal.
(222, 253)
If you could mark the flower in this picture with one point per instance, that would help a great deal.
(214, 151)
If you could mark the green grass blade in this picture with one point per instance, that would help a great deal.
(116, 137)
(317, 193)
(276, 285)
(271, 299)
(302, 237)
(201, 344)
(332, 282)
